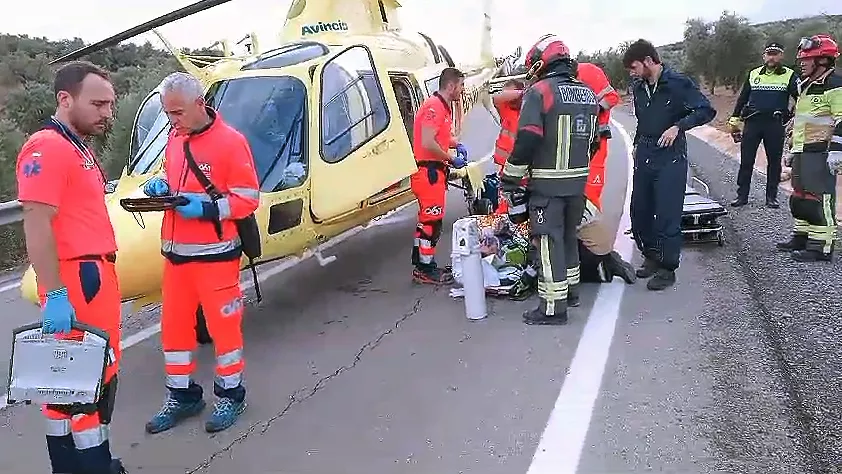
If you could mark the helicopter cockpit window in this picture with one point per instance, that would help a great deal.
(149, 111)
(151, 149)
(271, 113)
(353, 107)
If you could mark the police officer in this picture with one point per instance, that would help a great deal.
(72, 247)
(816, 151)
(557, 130)
(666, 104)
(761, 112)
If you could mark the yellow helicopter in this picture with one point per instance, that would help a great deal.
(328, 115)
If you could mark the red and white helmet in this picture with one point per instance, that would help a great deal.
(818, 46)
(548, 49)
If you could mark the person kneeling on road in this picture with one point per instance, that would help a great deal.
(202, 247)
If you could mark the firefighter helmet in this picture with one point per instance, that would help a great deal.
(818, 46)
(549, 49)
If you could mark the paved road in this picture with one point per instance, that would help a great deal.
(353, 369)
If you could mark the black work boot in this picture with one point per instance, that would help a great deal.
(647, 269)
(573, 296)
(662, 280)
(772, 203)
(616, 266)
(796, 242)
(537, 317)
(739, 202)
(811, 256)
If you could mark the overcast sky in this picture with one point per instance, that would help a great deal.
(586, 25)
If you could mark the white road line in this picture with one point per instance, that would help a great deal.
(564, 437)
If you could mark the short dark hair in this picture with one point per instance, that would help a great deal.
(449, 76)
(70, 76)
(638, 51)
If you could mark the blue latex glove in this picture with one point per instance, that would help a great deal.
(459, 162)
(156, 187)
(194, 209)
(462, 151)
(57, 314)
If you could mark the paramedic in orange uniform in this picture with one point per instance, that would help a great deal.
(507, 102)
(432, 138)
(595, 78)
(202, 248)
(71, 244)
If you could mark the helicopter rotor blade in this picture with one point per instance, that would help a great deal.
(170, 17)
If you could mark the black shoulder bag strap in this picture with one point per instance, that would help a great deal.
(215, 195)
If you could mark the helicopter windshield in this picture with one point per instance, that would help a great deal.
(269, 111)
(151, 148)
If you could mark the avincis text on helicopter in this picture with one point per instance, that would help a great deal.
(322, 27)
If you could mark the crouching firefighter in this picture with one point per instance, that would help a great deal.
(210, 164)
(816, 151)
(70, 242)
(556, 132)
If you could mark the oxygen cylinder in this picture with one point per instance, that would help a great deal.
(466, 249)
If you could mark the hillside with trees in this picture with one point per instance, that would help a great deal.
(27, 100)
(718, 54)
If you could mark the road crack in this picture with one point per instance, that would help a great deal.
(303, 394)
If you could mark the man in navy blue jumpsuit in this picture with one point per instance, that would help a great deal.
(666, 104)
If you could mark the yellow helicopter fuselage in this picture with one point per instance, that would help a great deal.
(340, 179)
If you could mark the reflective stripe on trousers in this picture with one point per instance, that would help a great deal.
(87, 430)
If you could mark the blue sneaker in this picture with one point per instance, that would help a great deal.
(173, 412)
(225, 413)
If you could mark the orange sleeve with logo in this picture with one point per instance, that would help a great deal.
(241, 180)
(595, 78)
(42, 171)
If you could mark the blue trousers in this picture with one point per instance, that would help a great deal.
(657, 201)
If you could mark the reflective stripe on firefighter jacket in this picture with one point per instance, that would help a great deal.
(564, 112)
(594, 77)
(508, 129)
(818, 117)
(224, 156)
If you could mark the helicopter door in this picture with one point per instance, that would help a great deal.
(362, 142)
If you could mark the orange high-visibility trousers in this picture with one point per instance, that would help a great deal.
(94, 293)
(429, 185)
(596, 174)
(215, 286)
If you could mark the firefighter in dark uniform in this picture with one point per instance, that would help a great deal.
(557, 133)
(666, 104)
(760, 114)
(816, 151)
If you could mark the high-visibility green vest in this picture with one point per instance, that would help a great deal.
(818, 115)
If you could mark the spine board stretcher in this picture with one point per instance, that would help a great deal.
(700, 215)
(57, 369)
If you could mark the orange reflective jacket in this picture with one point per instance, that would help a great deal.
(224, 156)
(508, 129)
(595, 78)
